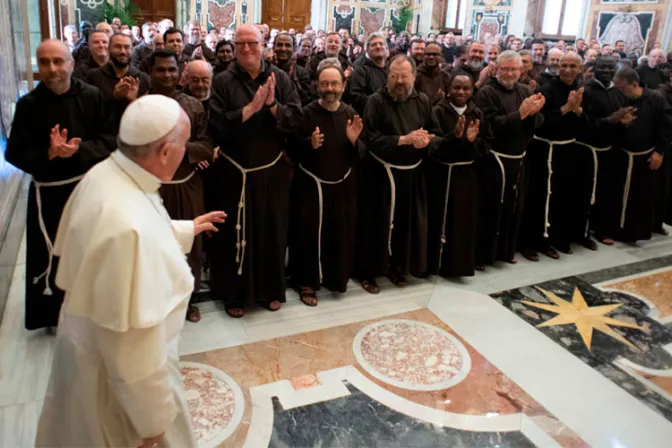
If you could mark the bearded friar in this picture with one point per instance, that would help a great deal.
(59, 132)
(556, 164)
(253, 107)
(399, 128)
(120, 82)
(324, 191)
(183, 196)
(513, 114)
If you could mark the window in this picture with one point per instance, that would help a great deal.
(562, 17)
(456, 13)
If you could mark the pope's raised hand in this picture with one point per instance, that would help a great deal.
(206, 223)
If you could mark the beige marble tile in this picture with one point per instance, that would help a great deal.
(18, 424)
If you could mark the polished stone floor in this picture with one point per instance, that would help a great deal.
(574, 353)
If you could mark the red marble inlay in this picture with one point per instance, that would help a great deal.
(411, 353)
(211, 402)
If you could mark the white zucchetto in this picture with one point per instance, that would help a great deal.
(148, 119)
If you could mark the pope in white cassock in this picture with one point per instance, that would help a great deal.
(115, 379)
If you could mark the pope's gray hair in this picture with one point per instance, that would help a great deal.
(508, 55)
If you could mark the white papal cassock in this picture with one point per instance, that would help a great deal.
(115, 378)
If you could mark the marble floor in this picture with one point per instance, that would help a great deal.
(574, 353)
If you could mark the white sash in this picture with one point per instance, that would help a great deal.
(594, 150)
(498, 156)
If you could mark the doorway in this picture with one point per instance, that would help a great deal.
(155, 10)
(286, 14)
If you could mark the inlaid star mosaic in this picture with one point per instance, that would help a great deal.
(584, 317)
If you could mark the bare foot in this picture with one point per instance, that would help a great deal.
(236, 313)
(274, 305)
(308, 296)
(193, 314)
(371, 286)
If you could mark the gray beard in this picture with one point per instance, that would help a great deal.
(555, 71)
(475, 65)
(400, 98)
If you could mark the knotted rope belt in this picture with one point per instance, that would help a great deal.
(318, 183)
(445, 202)
(498, 158)
(393, 191)
(549, 163)
(241, 242)
(43, 227)
(594, 150)
(628, 180)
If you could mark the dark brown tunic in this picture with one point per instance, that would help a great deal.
(185, 200)
(81, 111)
(257, 142)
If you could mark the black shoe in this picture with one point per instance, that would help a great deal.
(588, 243)
(565, 248)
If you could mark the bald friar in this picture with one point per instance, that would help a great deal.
(253, 107)
(57, 135)
(561, 172)
(115, 378)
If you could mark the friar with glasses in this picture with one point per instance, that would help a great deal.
(560, 172)
(183, 195)
(392, 232)
(253, 107)
(429, 78)
(324, 189)
(59, 132)
(513, 113)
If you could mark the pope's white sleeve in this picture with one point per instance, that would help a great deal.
(184, 232)
(137, 372)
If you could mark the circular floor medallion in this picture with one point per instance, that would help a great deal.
(411, 355)
(216, 403)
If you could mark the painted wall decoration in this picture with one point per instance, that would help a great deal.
(493, 22)
(632, 28)
(372, 20)
(90, 10)
(222, 13)
(492, 3)
(344, 17)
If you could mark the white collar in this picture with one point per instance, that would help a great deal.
(459, 110)
(148, 182)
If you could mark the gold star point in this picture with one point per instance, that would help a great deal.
(585, 318)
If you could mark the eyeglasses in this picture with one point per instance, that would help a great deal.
(251, 44)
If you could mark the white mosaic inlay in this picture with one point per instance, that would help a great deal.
(411, 355)
(216, 403)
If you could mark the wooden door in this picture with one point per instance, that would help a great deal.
(286, 14)
(155, 10)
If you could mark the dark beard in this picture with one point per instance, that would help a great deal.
(117, 63)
